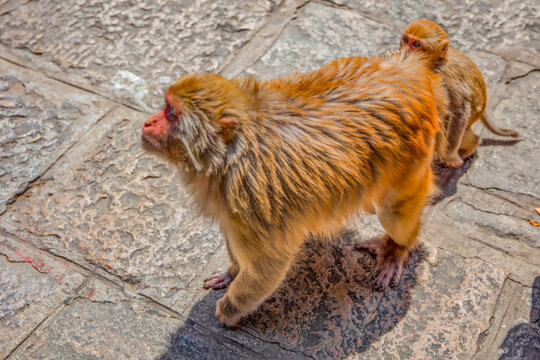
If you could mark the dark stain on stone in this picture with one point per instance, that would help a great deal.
(325, 308)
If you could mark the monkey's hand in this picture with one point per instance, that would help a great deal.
(219, 280)
(226, 313)
(390, 259)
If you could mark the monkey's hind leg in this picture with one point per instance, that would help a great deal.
(455, 132)
(470, 143)
(401, 220)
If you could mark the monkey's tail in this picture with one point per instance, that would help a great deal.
(497, 130)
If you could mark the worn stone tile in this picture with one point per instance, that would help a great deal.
(115, 206)
(490, 225)
(40, 119)
(319, 35)
(326, 307)
(501, 163)
(501, 25)
(33, 285)
(131, 50)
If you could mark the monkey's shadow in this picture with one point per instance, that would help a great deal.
(325, 308)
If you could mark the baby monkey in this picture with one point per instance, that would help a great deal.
(275, 161)
(465, 89)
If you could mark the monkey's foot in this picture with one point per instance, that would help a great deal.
(390, 258)
(226, 313)
(219, 280)
(453, 161)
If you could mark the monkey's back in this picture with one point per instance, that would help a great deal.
(324, 143)
(464, 82)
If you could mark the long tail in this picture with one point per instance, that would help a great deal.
(497, 130)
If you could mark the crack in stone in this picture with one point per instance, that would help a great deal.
(492, 212)
(468, 183)
(521, 76)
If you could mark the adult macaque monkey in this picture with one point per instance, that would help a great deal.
(465, 90)
(273, 161)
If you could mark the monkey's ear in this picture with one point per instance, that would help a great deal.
(228, 126)
(445, 44)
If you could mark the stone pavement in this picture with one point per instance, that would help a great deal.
(103, 257)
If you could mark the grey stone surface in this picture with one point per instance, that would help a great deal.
(326, 308)
(319, 35)
(101, 324)
(488, 225)
(33, 286)
(515, 167)
(40, 119)
(505, 26)
(114, 205)
(131, 50)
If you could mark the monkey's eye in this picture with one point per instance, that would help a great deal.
(405, 40)
(416, 44)
(170, 113)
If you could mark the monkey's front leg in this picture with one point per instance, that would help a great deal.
(255, 282)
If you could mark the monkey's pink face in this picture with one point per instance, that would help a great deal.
(410, 43)
(156, 130)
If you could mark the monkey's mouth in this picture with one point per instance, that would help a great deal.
(151, 144)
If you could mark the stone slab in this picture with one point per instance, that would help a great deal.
(131, 50)
(504, 26)
(326, 307)
(502, 164)
(112, 205)
(491, 225)
(319, 35)
(40, 119)
(33, 286)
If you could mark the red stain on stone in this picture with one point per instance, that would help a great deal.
(91, 292)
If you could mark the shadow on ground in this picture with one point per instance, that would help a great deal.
(326, 307)
(523, 340)
(446, 178)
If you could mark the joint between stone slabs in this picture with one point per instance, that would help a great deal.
(242, 59)
(171, 312)
(51, 315)
(334, 5)
(46, 74)
(87, 269)
(485, 333)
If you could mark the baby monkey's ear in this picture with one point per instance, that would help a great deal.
(228, 128)
(445, 44)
